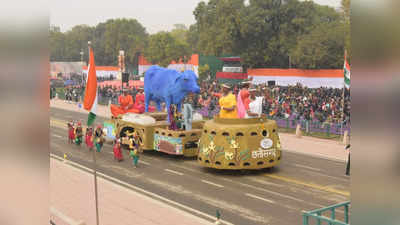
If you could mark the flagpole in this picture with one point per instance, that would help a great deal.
(94, 165)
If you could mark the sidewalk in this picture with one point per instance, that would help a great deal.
(72, 194)
(318, 147)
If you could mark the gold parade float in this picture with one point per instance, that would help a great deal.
(236, 144)
(239, 144)
(179, 142)
(122, 127)
(156, 135)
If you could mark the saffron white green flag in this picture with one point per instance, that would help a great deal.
(346, 71)
(90, 100)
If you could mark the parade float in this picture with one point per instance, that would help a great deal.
(239, 144)
(220, 143)
(153, 128)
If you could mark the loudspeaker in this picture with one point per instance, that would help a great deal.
(125, 77)
(271, 83)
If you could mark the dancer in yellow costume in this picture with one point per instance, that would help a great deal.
(227, 103)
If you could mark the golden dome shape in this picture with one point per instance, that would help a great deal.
(239, 144)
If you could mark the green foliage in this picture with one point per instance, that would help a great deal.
(163, 48)
(265, 32)
(179, 32)
(217, 26)
(57, 44)
(107, 39)
(346, 13)
(321, 48)
(123, 34)
(76, 40)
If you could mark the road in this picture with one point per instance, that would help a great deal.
(274, 196)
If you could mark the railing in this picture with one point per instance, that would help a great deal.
(313, 126)
(319, 219)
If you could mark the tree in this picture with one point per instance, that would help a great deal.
(270, 29)
(263, 32)
(162, 48)
(179, 32)
(56, 43)
(192, 38)
(217, 25)
(76, 40)
(346, 13)
(107, 39)
(124, 34)
(322, 48)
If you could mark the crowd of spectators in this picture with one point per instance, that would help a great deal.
(280, 102)
(73, 93)
(286, 102)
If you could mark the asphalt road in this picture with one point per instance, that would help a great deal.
(274, 196)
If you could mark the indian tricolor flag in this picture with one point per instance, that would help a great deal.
(346, 71)
(90, 101)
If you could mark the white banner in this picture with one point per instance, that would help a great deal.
(310, 82)
(232, 69)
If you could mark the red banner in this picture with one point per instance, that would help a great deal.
(230, 75)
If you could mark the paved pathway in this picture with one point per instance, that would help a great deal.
(72, 194)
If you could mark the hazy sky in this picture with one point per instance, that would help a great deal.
(155, 15)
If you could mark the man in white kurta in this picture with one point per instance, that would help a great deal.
(255, 105)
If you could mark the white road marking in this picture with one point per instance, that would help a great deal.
(173, 171)
(260, 198)
(211, 183)
(57, 136)
(262, 181)
(227, 179)
(306, 167)
(56, 156)
(144, 162)
(212, 218)
(278, 194)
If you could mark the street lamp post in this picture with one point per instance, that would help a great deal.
(81, 53)
(121, 64)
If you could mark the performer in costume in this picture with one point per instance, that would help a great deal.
(133, 149)
(71, 132)
(78, 134)
(89, 138)
(86, 135)
(117, 150)
(140, 102)
(227, 103)
(188, 113)
(243, 99)
(172, 115)
(99, 138)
